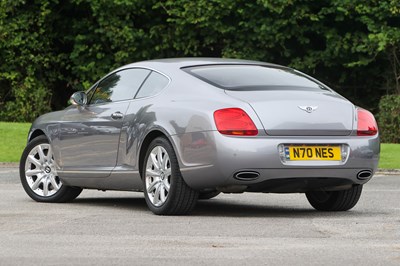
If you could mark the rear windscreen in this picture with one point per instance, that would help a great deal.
(253, 77)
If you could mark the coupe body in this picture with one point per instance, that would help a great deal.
(189, 128)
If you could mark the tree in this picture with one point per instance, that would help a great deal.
(51, 48)
(27, 55)
(348, 44)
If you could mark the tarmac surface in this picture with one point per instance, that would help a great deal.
(110, 228)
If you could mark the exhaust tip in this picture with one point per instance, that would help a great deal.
(246, 175)
(365, 174)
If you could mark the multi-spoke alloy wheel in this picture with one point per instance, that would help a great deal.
(158, 176)
(40, 172)
(165, 191)
(39, 175)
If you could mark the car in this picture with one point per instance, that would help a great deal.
(184, 129)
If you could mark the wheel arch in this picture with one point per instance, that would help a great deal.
(146, 142)
(36, 133)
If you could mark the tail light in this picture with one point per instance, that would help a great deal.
(234, 121)
(366, 124)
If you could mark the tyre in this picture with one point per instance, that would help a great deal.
(39, 175)
(342, 200)
(208, 195)
(165, 191)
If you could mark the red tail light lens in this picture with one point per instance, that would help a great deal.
(234, 121)
(366, 124)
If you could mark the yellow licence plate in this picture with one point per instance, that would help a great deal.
(313, 153)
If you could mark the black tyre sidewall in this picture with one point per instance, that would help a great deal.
(322, 205)
(342, 200)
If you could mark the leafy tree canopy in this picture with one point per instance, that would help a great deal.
(50, 48)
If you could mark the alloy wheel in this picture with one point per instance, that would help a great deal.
(40, 172)
(158, 176)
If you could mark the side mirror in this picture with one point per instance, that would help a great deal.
(79, 98)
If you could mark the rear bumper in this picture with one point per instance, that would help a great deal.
(209, 160)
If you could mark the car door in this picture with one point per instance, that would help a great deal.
(89, 135)
(140, 114)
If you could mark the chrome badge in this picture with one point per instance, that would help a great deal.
(308, 109)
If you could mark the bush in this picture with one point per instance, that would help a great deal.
(389, 118)
(50, 48)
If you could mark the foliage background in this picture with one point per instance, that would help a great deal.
(389, 118)
(50, 48)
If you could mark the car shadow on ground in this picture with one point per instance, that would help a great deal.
(234, 209)
(132, 204)
(222, 208)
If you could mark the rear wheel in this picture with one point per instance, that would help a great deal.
(342, 200)
(39, 175)
(165, 191)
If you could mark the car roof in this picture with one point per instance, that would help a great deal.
(177, 63)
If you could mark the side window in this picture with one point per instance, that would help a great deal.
(119, 86)
(153, 84)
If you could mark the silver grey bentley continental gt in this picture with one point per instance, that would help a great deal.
(190, 128)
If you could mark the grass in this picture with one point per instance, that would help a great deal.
(390, 156)
(13, 140)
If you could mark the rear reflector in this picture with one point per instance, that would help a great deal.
(234, 121)
(366, 124)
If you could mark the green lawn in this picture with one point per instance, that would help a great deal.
(390, 156)
(13, 140)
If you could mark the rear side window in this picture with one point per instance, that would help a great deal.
(119, 86)
(253, 77)
(153, 85)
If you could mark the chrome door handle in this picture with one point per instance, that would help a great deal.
(117, 115)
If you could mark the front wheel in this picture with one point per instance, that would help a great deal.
(342, 200)
(165, 191)
(39, 175)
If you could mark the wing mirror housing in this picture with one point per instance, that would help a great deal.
(79, 98)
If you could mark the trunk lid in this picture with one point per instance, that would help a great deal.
(300, 112)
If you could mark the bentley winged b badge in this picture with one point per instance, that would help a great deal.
(308, 109)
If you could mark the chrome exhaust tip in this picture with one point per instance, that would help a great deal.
(246, 175)
(364, 174)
